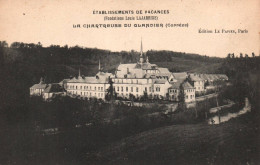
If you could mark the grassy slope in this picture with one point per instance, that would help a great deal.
(235, 142)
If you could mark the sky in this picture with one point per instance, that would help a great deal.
(51, 22)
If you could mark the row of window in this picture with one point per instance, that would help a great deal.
(198, 88)
(132, 81)
(191, 96)
(131, 89)
(85, 87)
(87, 94)
(190, 90)
(173, 90)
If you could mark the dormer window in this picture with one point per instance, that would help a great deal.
(97, 77)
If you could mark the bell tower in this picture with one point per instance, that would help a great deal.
(141, 55)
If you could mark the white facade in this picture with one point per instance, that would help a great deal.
(97, 90)
(37, 89)
(189, 95)
(197, 82)
(89, 87)
(137, 87)
(199, 86)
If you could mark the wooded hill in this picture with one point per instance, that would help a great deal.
(56, 62)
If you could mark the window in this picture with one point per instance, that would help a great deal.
(90, 87)
(157, 89)
(187, 97)
(80, 87)
(76, 87)
(136, 89)
(126, 88)
(132, 89)
(99, 88)
(122, 89)
(145, 89)
(117, 88)
(95, 88)
(150, 89)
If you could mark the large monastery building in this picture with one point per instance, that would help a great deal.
(135, 80)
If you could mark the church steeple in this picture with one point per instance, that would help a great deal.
(79, 73)
(99, 67)
(141, 55)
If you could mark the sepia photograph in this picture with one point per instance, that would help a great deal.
(129, 82)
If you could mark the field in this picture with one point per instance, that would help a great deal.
(234, 142)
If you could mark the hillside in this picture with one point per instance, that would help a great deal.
(235, 142)
(55, 62)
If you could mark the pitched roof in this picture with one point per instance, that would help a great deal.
(100, 78)
(53, 88)
(130, 66)
(213, 77)
(180, 75)
(63, 81)
(176, 85)
(195, 78)
(146, 66)
(160, 81)
(187, 85)
(163, 70)
(157, 75)
(41, 85)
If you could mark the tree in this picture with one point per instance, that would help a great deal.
(39, 45)
(241, 55)
(229, 55)
(3, 44)
(15, 45)
(110, 94)
(181, 97)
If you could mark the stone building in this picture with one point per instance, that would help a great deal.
(37, 89)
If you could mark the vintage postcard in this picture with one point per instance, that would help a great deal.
(129, 82)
